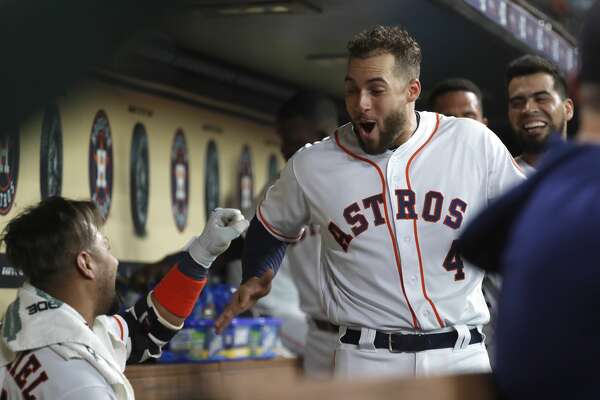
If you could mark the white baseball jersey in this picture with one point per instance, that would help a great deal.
(302, 258)
(525, 167)
(48, 351)
(301, 261)
(296, 285)
(389, 222)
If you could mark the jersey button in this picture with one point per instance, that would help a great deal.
(407, 239)
(413, 280)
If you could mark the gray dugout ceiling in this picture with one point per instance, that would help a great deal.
(306, 49)
(255, 61)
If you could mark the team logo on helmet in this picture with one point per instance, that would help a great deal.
(180, 188)
(211, 179)
(139, 174)
(9, 169)
(101, 163)
(51, 154)
(246, 182)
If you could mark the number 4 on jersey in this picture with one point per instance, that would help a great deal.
(453, 262)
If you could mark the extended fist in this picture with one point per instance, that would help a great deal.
(224, 225)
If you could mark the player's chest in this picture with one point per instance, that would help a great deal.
(371, 199)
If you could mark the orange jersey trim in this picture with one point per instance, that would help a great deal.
(120, 325)
(387, 222)
(515, 163)
(273, 231)
(410, 160)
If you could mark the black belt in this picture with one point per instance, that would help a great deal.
(326, 326)
(412, 343)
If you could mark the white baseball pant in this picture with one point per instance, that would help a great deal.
(364, 360)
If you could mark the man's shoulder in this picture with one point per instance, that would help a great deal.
(462, 126)
(317, 151)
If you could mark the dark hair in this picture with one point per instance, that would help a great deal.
(44, 240)
(454, 85)
(531, 64)
(314, 107)
(388, 39)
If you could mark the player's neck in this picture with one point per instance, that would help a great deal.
(530, 158)
(79, 298)
(411, 126)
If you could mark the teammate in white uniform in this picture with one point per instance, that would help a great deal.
(56, 343)
(391, 192)
(538, 106)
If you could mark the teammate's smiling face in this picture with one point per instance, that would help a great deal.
(379, 99)
(536, 109)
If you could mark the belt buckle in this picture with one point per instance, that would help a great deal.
(390, 347)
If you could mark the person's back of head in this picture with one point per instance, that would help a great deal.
(305, 118)
(44, 240)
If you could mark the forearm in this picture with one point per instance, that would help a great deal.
(176, 294)
(262, 252)
(158, 316)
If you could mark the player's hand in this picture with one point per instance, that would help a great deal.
(245, 297)
(224, 225)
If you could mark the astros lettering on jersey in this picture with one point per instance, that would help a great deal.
(389, 222)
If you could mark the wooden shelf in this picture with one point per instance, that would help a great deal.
(282, 379)
(206, 381)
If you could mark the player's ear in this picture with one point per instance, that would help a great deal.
(85, 265)
(569, 109)
(414, 90)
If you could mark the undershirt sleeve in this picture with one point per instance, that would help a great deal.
(262, 251)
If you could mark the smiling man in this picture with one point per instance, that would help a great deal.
(537, 105)
(56, 340)
(391, 191)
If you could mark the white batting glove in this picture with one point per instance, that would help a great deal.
(224, 225)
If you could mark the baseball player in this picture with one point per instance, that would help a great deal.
(391, 191)
(457, 97)
(538, 105)
(543, 237)
(306, 118)
(56, 342)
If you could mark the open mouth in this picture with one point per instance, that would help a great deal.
(367, 126)
(534, 125)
